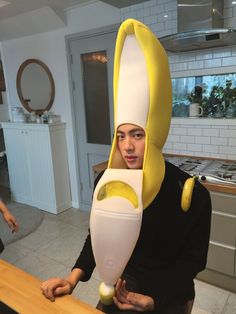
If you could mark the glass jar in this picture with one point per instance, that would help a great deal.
(230, 111)
(218, 113)
(18, 115)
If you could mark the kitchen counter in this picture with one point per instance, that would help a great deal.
(21, 292)
(222, 188)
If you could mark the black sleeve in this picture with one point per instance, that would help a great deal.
(86, 260)
(177, 283)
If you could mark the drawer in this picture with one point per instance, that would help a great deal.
(223, 202)
(221, 259)
(223, 228)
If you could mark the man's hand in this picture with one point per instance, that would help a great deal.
(126, 300)
(55, 287)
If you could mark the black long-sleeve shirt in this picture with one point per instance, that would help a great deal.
(172, 246)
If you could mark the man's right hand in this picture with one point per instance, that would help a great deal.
(54, 287)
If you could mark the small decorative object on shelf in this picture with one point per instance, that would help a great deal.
(2, 157)
(32, 117)
(18, 114)
(45, 117)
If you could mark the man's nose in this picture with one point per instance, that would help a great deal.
(128, 144)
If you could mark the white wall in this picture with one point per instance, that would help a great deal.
(50, 48)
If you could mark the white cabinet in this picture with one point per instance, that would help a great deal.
(38, 165)
(221, 263)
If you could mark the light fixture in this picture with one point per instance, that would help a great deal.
(233, 2)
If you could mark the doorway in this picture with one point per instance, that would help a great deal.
(91, 69)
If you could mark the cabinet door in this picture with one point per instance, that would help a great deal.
(17, 164)
(40, 169)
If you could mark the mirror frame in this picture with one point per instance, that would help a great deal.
(19, 90)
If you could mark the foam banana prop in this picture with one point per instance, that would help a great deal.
(187, 193)
(142, 96)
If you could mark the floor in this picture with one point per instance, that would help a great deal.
(52, 249)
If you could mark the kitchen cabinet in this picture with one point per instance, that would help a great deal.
(221, 264)
(38, 166)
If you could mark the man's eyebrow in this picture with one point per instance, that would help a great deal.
(131, 131)
(137, 130)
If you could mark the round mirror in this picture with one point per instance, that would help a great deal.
(35, 86)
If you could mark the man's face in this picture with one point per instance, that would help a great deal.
(131, 143)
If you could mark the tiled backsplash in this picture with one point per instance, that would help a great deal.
(202, 137)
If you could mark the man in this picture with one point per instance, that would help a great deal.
(172, 244)
(171, 249)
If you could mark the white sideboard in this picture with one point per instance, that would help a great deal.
(38, 165)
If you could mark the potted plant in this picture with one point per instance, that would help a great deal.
(196, 95)
(195, 99)
(229, 100)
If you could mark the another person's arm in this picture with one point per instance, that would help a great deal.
(8, 217)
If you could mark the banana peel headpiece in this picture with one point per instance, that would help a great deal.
(142, 96)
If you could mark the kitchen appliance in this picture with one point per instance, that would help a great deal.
(216, 171)
(200, 25)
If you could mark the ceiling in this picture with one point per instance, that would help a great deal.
(19, 18)
(16, 7)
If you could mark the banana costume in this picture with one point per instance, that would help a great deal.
(142, 96)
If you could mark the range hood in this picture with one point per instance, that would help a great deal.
(123, 3)
(200, 26)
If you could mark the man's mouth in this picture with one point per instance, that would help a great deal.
(130, 158)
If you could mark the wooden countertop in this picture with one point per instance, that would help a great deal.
(21, 292)
(214, 187)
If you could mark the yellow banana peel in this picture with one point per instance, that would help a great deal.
(187, 193)
(143, 97)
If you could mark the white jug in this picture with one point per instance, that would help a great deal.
(195, 110)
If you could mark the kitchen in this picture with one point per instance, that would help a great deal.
(213, 138)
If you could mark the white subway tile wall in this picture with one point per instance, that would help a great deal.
(214, 138)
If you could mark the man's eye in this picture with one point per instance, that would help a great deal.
(120, 137)
(139, 135)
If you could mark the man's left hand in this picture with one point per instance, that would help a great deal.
(126, 300)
